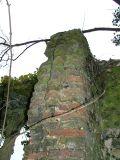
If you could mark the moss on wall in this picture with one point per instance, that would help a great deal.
(110, 104)
(64, 82)
(110, 109)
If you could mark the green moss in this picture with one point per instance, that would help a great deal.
(54, 85)
(71, 158)
(58, 68)
(64, 42)
(77, 140)
(72, 123)
(44, 70)
(110, 104)
(59, 60)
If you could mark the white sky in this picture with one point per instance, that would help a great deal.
(18, 148)
(39, 19)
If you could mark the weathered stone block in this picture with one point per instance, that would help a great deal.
(63, 88)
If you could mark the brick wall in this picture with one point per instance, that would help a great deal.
(60, 129)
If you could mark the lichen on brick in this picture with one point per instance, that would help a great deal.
(67, 82)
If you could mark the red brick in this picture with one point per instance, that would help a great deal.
(56, 153)
(68, 132)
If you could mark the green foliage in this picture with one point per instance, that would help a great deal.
(110, 103)
(20, 93)
(116, 22)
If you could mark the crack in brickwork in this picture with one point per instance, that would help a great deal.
(58, 118)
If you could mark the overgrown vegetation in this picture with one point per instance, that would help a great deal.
(110, 103)
(20, 94)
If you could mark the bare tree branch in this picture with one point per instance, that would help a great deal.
(3, 39)
(10, 68)
(25, 43)
(47, 40)
(25, 50)
(28, 42)
(101, 29)
(3, 53)
(33, 42)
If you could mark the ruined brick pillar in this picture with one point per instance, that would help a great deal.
(60, 122)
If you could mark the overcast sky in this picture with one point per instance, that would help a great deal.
(39, 19)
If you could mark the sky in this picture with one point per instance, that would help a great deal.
(39, 19)
(18, 147)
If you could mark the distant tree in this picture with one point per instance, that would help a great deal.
(116, 22)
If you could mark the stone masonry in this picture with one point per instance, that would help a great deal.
(59, 130)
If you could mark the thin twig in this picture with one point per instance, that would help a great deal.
(3, 39)
(28, 42)
(25, 43)
(10, 68)
(25, 50)
(5, 52)
(2, 108)
(33, 42)
(47, 40)
(101, 29)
